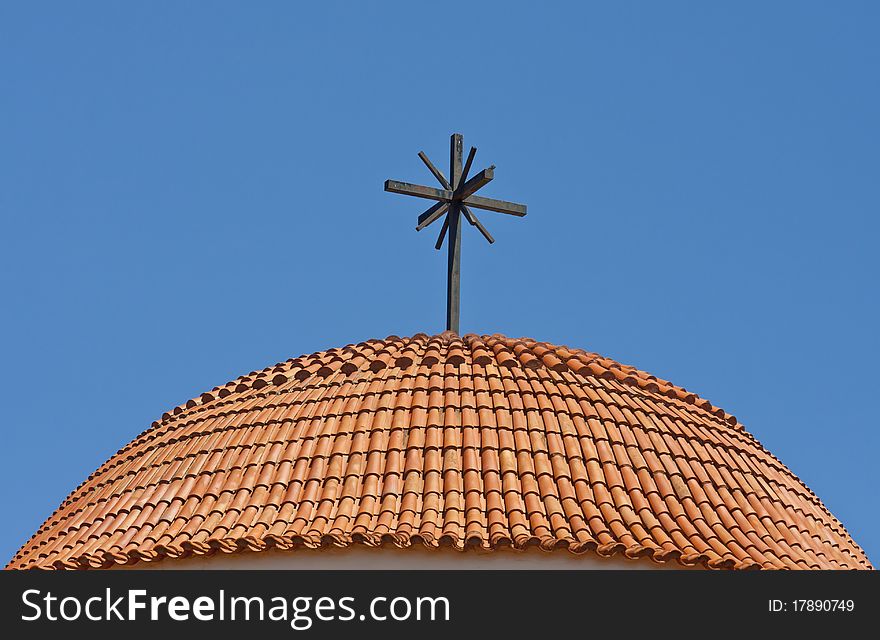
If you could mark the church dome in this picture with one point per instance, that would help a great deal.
(473, 442)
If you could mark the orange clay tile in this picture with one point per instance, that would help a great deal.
(469, 442)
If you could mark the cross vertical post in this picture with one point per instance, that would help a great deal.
(453, 279)
(452, 202)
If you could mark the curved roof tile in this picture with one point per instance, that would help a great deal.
(473, 441)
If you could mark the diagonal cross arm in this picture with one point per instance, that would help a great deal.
(437, 173)
(432, 214)
(475, 221)
(468, 163)
(475, 184)
(407, 189)
(442, 235)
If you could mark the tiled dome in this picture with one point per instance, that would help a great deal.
(474, 441)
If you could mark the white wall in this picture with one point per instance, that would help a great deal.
(360, 557)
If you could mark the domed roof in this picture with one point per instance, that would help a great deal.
(473, 441)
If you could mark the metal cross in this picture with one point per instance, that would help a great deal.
(455, 198)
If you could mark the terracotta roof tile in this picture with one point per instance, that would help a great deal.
(473, 441)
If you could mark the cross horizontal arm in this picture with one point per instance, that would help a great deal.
(501, 206)
(431, 215)
(418, 190)
(475, 184)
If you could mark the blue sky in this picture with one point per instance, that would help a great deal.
(190, 191)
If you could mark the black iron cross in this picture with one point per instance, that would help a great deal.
(455, 198)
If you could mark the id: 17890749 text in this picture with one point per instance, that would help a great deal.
(808, 605)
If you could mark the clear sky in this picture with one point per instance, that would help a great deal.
(191, 191)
